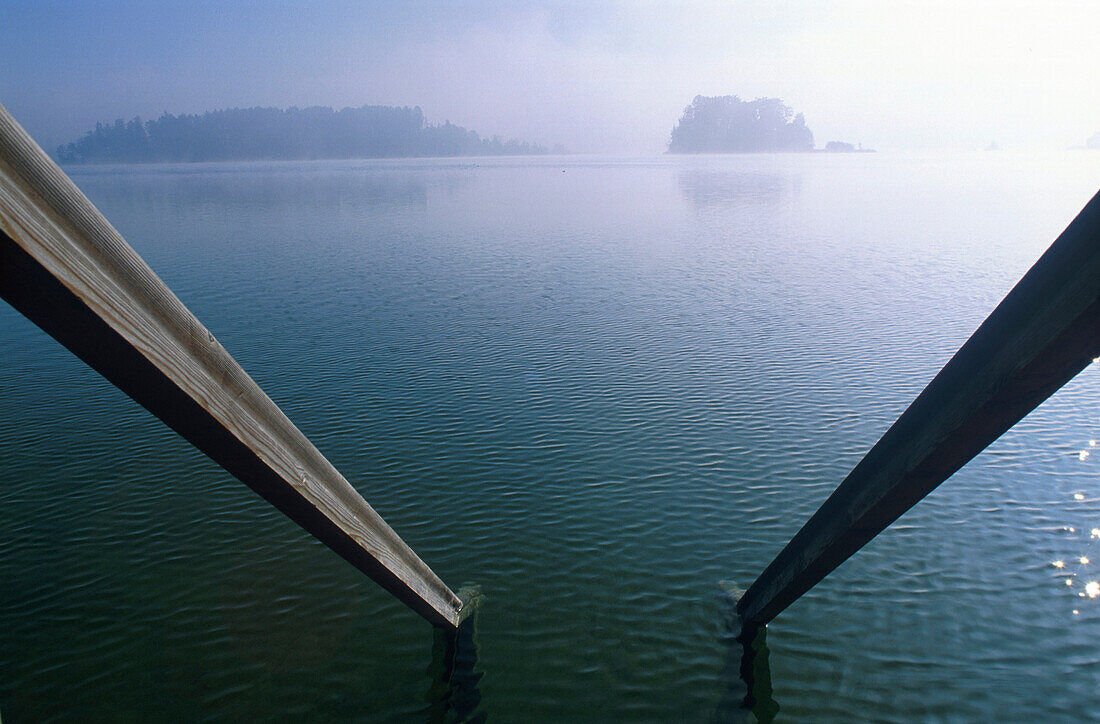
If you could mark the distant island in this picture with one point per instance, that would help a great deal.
(727, 124)
(842, 147)
(319, 132)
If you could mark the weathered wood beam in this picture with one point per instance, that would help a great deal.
(65, 267)
(1042, 334)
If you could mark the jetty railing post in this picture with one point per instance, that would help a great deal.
(65, 267)
(1045, 331)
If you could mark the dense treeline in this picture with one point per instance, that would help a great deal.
(272, 133)
(728, 124)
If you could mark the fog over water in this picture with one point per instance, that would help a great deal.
(607, 77)
(605, 388)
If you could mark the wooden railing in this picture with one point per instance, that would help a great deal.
(1042, 334)
(65, 267)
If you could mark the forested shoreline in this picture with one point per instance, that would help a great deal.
(319, 132)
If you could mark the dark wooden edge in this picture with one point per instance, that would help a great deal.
(1045, 331)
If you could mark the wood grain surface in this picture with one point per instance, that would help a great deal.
(67, 269)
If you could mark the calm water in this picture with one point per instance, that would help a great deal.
(598, 389)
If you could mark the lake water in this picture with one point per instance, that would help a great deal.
(601, 389)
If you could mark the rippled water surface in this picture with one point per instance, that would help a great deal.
(599, 389)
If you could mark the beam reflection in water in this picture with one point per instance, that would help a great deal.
(453, 695)
(749, 695)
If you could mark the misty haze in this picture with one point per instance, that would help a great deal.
(555, 322)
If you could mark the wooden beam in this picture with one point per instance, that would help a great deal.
(1042, 334)
(66, 268)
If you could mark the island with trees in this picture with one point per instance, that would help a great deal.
(727, 124)
(242, 134)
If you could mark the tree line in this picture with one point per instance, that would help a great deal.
(727, 124)
(240, 134)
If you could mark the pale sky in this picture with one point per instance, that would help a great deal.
(593, 76)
